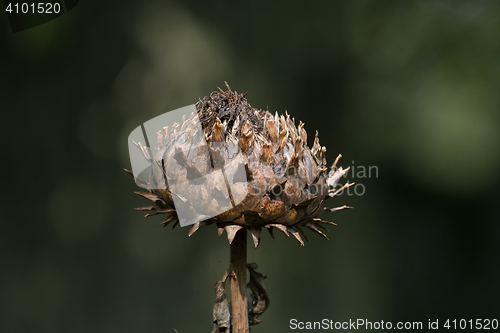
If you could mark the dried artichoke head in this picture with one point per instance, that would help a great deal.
(237, 167)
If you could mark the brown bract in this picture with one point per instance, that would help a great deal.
(286, 183)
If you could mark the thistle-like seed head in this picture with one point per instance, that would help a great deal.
(277, 181)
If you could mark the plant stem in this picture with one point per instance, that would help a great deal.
(237, 268)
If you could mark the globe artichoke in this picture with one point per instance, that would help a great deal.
(276, 180)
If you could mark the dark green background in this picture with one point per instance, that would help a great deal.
(408, 86)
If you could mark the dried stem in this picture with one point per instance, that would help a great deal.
(237, 268)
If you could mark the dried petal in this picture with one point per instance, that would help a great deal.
(255, 232)
(231, 231)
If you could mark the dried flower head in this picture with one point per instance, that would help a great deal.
(281, 184)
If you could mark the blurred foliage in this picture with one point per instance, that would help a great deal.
(408, 86)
